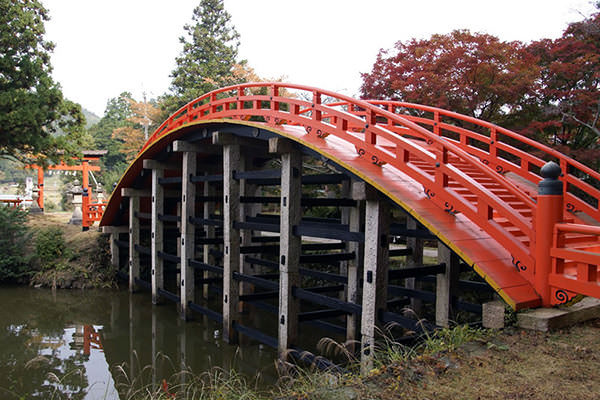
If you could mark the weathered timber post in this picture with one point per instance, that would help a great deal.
(446, 285)
(188, 230)
(115, 253)
(134, 233)
(290, 244)
(354, 267)
(231, 235)
(416, 258)
(548, 213)
(156, 228)
(375, 276)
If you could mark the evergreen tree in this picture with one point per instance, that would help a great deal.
(34, 117)
(210, 49)
(116, 116)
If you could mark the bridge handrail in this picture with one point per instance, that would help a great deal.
(230, 102)
(502, 165)
(584, 260)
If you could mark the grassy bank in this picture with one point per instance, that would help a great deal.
(460, 363)
(68, 257)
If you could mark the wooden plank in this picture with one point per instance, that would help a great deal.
(290, 247)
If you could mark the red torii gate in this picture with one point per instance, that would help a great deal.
(90, 211)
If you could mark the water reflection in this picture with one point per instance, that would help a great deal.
(70, 342)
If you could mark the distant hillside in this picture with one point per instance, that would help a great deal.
(90, 117)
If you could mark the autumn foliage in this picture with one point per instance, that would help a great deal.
(547, 89)
(570, 90)
(144, 117)
(470, 73)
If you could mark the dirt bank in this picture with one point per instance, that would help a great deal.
(85, 264)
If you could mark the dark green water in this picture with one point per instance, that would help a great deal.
(72, 341)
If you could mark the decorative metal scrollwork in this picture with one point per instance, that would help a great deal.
(518, 265)
(429, 193)
(322, 134)
(308, 129)
(429, 141)
(484, 161)
(571, 208)
(361, 152)
(376, 161)
(562, 296)
(450, 209)
(500, 169)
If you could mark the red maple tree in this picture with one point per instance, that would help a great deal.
(470, 73)
(569, 98)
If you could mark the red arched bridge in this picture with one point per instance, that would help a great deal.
(249, 183)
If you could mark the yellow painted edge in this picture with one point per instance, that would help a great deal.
(356, 172)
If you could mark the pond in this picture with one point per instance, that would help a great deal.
(75, 342)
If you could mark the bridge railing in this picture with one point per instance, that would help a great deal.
(321, 115)
(13, 203)
(503, 150)
(583, 261)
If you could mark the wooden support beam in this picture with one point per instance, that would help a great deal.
(231, 240)
(289, 249)
(279, 145)
(354, 268)
(183, 146)
(160, 165)
(114, 250)
(114, 229)
(363, 191)
(188, 231)
(131, 192)
(416, 258)
(204, 149)
(114, 232)
(134, 240)
(376, 263)
(227, 138)
(446, 285)
(156, 235)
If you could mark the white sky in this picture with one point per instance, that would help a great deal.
(106, 47)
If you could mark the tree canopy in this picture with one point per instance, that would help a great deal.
(470, 73)
(548, 89)
(132, 133)
(116, 115)
(569, 96)
(209, 55)
(35, 119)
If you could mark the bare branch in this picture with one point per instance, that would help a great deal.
(591, 127)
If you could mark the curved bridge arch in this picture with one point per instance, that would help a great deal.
(485, 217)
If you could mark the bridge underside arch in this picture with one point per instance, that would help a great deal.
(473, 245)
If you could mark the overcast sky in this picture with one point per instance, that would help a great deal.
(106, 47)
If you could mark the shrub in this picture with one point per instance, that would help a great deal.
(14, 236)
(51, 248)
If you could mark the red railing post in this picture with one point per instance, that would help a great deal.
(549, 212)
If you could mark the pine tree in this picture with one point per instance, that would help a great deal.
(35, 119)
(210, 50)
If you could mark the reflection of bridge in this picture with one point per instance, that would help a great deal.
(246, 160)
